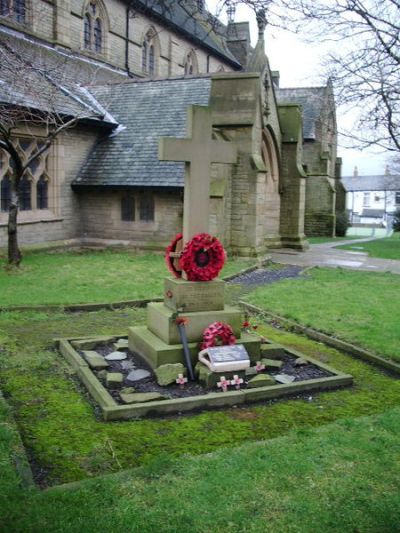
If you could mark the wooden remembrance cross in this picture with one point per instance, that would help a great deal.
(198, 151)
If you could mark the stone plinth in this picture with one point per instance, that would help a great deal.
(193, 296)
(157, 352)
(161, 322)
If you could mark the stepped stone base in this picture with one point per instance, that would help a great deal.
(157, 352)
(161, 322)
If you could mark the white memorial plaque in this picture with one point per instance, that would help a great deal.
(225, 358)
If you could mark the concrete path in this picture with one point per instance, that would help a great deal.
(327, 255)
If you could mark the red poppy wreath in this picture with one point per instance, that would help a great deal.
(202, 258)
(218, 333)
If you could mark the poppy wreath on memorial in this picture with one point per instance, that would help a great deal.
(169, 259)
(216, 334)
(202, 258)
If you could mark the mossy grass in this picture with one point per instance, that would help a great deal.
(358, 307)
(342, 477)
(66, 435)
(388, 248)
(71, 277)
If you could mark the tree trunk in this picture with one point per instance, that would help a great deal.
(14, 253)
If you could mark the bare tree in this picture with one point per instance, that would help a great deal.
(31, 98)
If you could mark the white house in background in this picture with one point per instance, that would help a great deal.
(372, 199)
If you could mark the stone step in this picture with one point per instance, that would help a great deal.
(161, 322)
(157, 352)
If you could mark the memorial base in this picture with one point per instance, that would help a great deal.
(157, 352)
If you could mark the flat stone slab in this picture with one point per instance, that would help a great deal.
(167, 374)
(127, 365)
(141, 397)
(272, 363)
(284, 378)
(121, 344)
(114, 380)
(138, 374)
(261, 380)
(115, 356)
(89, 344)
(95, 360)
(300, 361)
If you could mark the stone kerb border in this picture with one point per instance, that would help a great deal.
(344, 346)
(112, 411)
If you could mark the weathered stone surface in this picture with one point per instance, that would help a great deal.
(193, 296)
(167, 374)
(284, 378)
(271, 363)
(89, 344)
(251, 371)
(272, 351)
(115, 356)
(102, 374)
(95, 360)
(121, 344)
(261, 380)
(127, 365)
(138, 374)
(300, 361)
(127, 390)
(141, 397)
(114, 380)
(209, 379)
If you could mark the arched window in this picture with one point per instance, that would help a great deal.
(14, 9)
(93, 27)
(42, 193)
(191, 66)
(5, 193)
(25, 194)
(149, 47)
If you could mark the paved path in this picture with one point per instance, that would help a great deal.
(327, 255)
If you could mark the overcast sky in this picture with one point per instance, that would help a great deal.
(299, 65)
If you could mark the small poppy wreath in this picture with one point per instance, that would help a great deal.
(202, 258)
(217, 331)
(170, 260)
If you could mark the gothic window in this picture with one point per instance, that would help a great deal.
(25, 194)
(149, 47)
(42, 193)
(93, 28)
(5, 193)
(14, 9)
(147, 208)
(128, 208)
(191, 66)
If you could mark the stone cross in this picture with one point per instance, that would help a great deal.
(198, 151)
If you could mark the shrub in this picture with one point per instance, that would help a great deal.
(396, 220)
(342, 223)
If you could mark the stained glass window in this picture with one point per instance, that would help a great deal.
(42, 197)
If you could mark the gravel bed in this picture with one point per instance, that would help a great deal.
(265, 276)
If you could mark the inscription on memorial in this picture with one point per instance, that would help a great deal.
(194, 296)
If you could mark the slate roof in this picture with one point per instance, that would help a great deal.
(312, 101)
(186, 19)
(372, 183)
(41, 78)
(148, 110)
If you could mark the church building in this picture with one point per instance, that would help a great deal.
(128, 71)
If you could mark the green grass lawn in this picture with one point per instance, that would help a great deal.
(322, 240)
(388, 248)
(95, 276)
(362, 308)
(59, 424)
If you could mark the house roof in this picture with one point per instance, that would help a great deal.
(372, 183)
(311, 100)
(147, 110)
(198, 26)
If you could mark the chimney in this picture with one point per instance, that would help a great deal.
(355, 171)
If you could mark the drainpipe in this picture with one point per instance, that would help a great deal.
(127, 42)
(208, 63)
